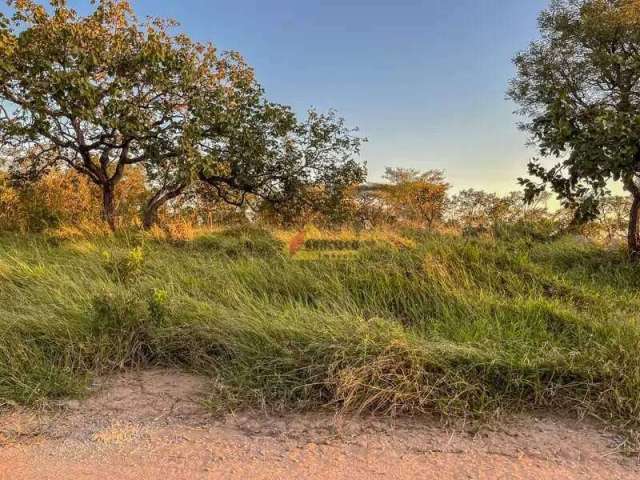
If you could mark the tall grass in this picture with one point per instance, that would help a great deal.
(423, 324)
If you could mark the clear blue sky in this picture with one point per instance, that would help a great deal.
(425, 80)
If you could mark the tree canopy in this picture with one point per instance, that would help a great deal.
(579, 87)
(417, 197)
(273, 158)
(102, 92)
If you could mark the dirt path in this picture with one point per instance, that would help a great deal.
(150, 425)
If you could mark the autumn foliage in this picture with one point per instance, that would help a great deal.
(65, 198)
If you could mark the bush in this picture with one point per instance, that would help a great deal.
(121, 326)
(540, 231)
(124, 267)
(240, 242)
(335, 244)
(63, 199)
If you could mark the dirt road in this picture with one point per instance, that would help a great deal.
(151, 425)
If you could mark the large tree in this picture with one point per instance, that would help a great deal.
(101, 92)
(579, 87)
(269, 156)
(217, 92)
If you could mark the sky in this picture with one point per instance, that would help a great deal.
(424, 80)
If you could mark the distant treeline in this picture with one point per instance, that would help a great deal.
(407, 199)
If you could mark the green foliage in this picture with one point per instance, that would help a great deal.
(576, 87)
(124, 267)
(120, 325)
(158, 310)
(411, 197)
(235, 243)
(337, 244)
(541, 231)
(99, 93)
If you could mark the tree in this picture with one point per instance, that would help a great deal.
(474, 209)
(103, 92)
(612, 218)
(579, 87)
(514, 208)
(216, 93)
(268, 156)
(413, 196)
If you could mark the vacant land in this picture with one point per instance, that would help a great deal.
(388, 324)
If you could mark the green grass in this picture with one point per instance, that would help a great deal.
(451, 326)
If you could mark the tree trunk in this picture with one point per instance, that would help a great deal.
(150, 216)
(634, 228)
(108, 206)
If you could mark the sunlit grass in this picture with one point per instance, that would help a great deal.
(407, 323)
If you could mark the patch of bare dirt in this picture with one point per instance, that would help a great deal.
(150, 425)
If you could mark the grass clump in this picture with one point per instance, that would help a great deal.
(455, 326)
(337, 244)
(239, 242)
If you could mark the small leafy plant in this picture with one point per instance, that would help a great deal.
(124, 267)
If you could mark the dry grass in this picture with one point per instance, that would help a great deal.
(297, 242)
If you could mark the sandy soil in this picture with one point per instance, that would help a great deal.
(151, 425)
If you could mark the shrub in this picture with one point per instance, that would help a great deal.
(158, 306)
(65, 199)
(336, 244)
(540, 231)
(124, 267)
(179, 231)
(121, 329)
(240, 242)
